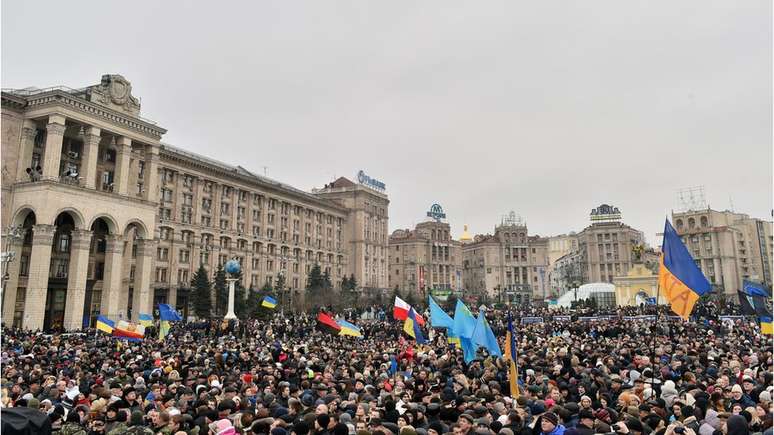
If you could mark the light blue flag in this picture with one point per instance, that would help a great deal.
(468, 349)
(464, 322)
(484, 337)
(438, 317)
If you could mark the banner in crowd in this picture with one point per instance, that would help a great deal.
(562, 318)
(528, 320)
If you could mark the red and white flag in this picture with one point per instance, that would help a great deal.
(401, 309)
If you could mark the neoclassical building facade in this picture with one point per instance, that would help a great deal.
(112, 221)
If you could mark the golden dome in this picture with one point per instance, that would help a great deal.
(465, 237)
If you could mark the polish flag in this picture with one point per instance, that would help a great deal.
(401, 309)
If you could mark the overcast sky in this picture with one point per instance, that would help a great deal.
(548, 108)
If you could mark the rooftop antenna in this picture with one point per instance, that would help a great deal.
(731, 203)
(265, 169)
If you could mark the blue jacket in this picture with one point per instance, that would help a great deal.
(558, 430)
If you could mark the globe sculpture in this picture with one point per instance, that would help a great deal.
(233, 267)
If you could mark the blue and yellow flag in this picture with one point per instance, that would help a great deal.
(512, 355)
(166, 312)
(349, 328)
(411, 327)
(145, 320)
(679, 277)
(105, 325)
(269, 302)
(164, 328)
(464, 322)
(766, 327)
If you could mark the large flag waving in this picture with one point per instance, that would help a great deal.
(401, 309)
(754, 299)
(438, 317)
(327, 323)
(464, 322)
(511, 355)
(166, 312)
(484, 337)
(679, 277)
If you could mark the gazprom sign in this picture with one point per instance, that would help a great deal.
(364, 179)
(436, 212)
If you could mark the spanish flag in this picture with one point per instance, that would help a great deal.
(105, 325)
(679, 277)
(766, 328)
(511, 355)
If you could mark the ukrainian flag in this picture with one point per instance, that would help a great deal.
(105, 325)
(349, 328)
(269, 302)
(145, 320)
(453, 340)
(164, 328)
(511, 355)
(766, 327)
(679, 277)
(411, 327)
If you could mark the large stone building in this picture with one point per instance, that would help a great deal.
(114, 221)
(728, 247)
(604, 250)
(425, 259)
(509, 266)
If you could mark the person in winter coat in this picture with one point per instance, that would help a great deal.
(585, 425)
(549, 424)
(737, 425)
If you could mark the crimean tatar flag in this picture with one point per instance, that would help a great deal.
(679, 277)
(269, 302)
(511, 355)
(105, 325)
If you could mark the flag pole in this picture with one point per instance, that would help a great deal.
(655, 319)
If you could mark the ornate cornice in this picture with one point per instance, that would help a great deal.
(60, 97)
(43, 234)
(29, 133)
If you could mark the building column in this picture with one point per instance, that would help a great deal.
(151, 181)
(123, 154)
(11, 286)
(172, 296)
(90, 154)
(143, 298)
(111, 283)
(53, 154)
(37, 283)
(76, 279)
(25, 153)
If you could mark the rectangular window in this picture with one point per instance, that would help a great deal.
(24, 265)
(223, 224)
(206, 221)
(185, 255)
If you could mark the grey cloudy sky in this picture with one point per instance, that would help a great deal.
(548, 108)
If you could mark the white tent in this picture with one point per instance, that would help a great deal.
(601, 291)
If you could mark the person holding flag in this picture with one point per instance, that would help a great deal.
(412, 328)
(167, 314)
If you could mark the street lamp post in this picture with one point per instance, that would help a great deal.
(12, 234)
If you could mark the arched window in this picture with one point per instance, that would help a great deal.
(691, 223)
(679, 224)
(704, 222)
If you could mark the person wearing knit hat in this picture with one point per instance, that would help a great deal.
(549, 424)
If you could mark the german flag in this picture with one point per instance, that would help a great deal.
(679, 277)
(326, 322)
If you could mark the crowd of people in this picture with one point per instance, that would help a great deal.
(285, 376)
